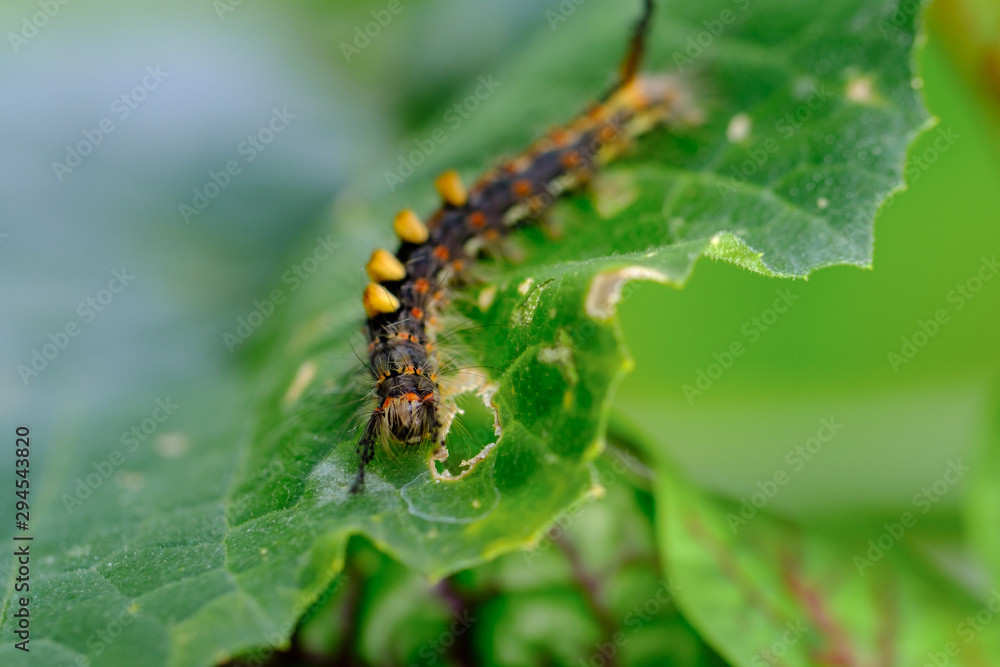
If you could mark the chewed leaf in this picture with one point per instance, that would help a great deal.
(804, 115)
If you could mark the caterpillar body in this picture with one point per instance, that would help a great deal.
(408, 289)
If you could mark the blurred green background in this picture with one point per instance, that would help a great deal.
(829, 355)
(826, 358)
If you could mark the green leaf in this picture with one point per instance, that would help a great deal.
(982, 506)
(765, 592)
(223, 550)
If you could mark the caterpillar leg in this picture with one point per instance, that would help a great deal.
(366, 451)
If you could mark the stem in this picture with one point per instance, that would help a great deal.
(590, 586)
(462, 651)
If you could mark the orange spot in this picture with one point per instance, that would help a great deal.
(522, 187)
(428, 397)
(421, 285)
(389, 400)
(560, 136)
(442, 253)
(418, 313)
(430, 348)
(571, 160)
(491, 235)
(409, 370)
(458, 265)
(411, 397)
(598, 112)
(477, 220)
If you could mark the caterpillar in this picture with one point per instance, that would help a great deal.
(409, 289)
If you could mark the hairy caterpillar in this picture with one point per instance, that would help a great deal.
(408, 289)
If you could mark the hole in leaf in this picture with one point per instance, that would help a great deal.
(472, 430)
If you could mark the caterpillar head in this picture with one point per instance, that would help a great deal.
(409, 414)
(411, 417)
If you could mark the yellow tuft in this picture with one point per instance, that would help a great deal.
(379, 300)
(410, 228)
(449, 185)
(631, 96)
(384, 267)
